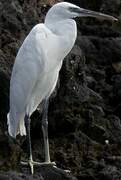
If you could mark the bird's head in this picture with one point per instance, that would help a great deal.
(64, 10)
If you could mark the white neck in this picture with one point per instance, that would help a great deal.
(66, 31)
(65, 27)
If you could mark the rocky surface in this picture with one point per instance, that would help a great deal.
(84, 113)
(48, 173)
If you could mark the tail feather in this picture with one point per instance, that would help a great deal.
(21, 127)
(15, 127)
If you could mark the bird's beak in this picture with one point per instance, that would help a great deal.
(89, 13)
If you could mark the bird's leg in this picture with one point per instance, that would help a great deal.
(45, 130)
(45, 134)
(30, 162)
(27, 126)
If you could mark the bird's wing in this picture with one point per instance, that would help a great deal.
(28, 67)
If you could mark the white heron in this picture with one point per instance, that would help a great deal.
(36, 69)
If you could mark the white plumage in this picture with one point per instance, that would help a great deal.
(36, 70)
(39, 60)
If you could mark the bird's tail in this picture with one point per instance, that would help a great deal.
(15, 126)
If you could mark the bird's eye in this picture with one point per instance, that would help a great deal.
(74, 9)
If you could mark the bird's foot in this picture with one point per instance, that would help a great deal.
(66, 170)
(31, 163)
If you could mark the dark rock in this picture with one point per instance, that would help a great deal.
(110, 173)
(43, 173)
(113, 126)
(116, 80)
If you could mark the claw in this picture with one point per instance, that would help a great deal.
(66, 170)
(31, 163)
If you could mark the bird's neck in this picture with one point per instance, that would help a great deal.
(63, 27)
(66, 30)
(66, 33)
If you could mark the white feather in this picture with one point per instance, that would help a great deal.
(36, 69)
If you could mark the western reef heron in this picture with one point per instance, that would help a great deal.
(36, 69)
